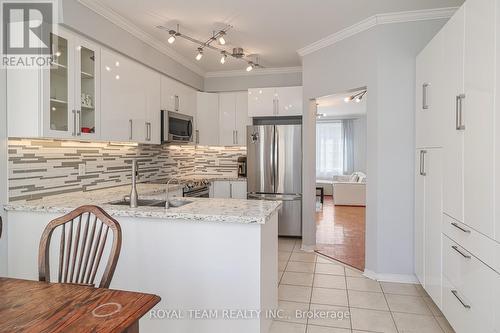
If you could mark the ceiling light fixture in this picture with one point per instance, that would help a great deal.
(358, 97)
(220, 38)
(222, 41)
(200, 54)
(223, 58)
(171, 39)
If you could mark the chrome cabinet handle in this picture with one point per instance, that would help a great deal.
(1, 226)
(422, 162)
(130, 122)
(197, 136)
(459, 112)
(79, 128)
(425, 105)
(230, 190)
(236, 136)
(455, 293)
(460, 228)
(74, 122)
(466, 256)
(176, 103)
(148, 131)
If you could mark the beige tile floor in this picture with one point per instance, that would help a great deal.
(312, 282)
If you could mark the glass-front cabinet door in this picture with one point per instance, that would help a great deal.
(59, 80)
(87, 89)
(71, 89)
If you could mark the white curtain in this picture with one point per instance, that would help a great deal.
(329, 150)
(348, 137)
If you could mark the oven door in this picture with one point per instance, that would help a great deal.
(176, 127)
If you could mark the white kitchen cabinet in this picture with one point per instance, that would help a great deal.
(289, 101)
(429, 115)
(229, 189)
(61, 101)
(177, 97)
(130, 99)
(274, 102)
(233, 118)
(479, 115)
(261, 102)
(452, 70)
(428, 221)
(207, 119)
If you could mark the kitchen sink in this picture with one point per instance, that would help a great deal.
(151, 203)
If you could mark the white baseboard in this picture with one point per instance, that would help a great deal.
(399, 278)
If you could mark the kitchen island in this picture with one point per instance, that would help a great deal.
(212, 261)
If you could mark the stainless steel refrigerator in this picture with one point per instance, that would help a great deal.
(274, 171)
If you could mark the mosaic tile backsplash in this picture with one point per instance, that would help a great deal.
(39, 168)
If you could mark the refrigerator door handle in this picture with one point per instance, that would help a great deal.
(276, 159)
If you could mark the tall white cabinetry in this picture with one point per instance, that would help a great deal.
(457, 121)
(275, 102)
(62, 101)
(233, 118)
(131, 98)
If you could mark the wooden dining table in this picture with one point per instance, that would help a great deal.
(33, 306)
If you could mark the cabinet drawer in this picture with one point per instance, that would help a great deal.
(467, 288)
(482, 247)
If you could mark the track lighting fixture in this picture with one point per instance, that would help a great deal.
(356, 97)
(223, 58)
(171, 39)
(219, 37)
(200, 54)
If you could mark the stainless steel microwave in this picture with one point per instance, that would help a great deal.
(176, 127)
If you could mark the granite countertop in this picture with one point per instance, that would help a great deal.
(201, 209)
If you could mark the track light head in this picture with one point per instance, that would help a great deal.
(348, 99)
(250, 67)
(221, 39)
(223, 58)
(171, 39)
(200, 54)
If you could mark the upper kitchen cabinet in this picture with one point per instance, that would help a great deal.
(273, 102)
(207, 119)
(233, 118)
(130, 100)
(177, 97)
(62, 101)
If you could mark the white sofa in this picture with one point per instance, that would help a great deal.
(349, 190)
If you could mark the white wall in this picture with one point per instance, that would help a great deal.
(359, 143)
(382, 59)
(85, 21)
(251, 80)
(3, 171)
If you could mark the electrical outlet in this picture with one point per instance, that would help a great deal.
(81, 169)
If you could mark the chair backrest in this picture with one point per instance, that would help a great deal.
(84, 232)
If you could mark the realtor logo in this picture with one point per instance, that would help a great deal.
(26, 28)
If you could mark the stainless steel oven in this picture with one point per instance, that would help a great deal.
(176, 127)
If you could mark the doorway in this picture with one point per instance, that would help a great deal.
(341, 176)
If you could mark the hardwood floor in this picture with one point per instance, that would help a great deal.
(340, 233)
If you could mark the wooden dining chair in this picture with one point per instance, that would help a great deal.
(84, 232)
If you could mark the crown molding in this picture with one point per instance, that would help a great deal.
(115, 18)
(257, 71)
(372, 21)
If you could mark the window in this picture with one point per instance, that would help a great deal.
(329, 150)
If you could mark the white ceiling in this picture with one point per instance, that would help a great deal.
(334, 106)
(273, 29)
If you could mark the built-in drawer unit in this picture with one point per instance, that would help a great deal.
(469, 290)
(484, 248)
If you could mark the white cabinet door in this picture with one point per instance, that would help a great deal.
(227, 119)
(238, 189)
(289, 101)
(221, 189)
(419, 218)
(242, 119)
(432, 167)
(207, 114)
(262, 102)
(479, 115)
(429, 115)
(168, 94)
(453, 71)
(153, 106)
(123, 98)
